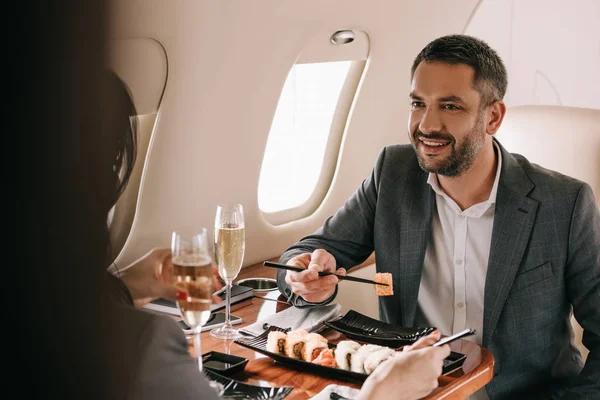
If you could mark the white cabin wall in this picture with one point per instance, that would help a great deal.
(551, 49)
(227, 62)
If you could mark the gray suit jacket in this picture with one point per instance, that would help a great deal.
(544, 259)
(149, 357)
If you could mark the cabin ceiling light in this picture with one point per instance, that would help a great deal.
(342, 37)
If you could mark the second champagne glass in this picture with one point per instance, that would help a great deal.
(193, 278)
(230, 244)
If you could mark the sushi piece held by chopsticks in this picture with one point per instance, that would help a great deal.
(384, 277)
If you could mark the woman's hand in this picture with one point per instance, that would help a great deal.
(408, 375)
(149, 277)
(411, 374)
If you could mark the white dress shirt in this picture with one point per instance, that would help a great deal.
(452, 286)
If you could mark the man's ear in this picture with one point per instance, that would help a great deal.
(496, 112)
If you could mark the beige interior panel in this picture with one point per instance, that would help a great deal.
(551, 49)
(142, 64)
(320, 48)
(563, 139)
(359, 296)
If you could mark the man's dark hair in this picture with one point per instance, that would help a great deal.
(490, 73)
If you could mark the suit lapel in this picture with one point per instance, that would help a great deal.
(416, 210)
(513, 221)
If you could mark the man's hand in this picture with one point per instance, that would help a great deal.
(308, 284)
(409, 375)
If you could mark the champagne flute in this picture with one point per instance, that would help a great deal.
(193, 278)
(230, 243)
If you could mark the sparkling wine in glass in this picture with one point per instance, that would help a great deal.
(193, 278)
(229, 246)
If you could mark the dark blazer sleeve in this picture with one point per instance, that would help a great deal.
(583, 286)
(166, 370)
(347, 235)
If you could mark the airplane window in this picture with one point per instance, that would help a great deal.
(298, 137)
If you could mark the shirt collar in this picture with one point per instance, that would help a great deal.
(433, 181)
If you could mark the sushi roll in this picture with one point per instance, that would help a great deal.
(316, 336)
(375, 358)
(343, 353)
(299, 332)
(276, 342)
(358, 358)
(294, 344)
(313, 346)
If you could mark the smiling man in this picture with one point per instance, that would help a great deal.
(474, 236)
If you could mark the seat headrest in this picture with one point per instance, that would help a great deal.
(563, 139)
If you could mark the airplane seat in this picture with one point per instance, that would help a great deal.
(563, 139)
(123, 213)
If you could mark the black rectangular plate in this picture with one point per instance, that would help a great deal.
(259, 344)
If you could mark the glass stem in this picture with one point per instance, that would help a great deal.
(228, 305)
(197, 346)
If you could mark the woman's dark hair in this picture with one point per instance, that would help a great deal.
(490, 78)
(119, 131)
(120, 128)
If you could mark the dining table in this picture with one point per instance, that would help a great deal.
(261, 370)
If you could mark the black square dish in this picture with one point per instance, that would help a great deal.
(233, 389)
(224, 364)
